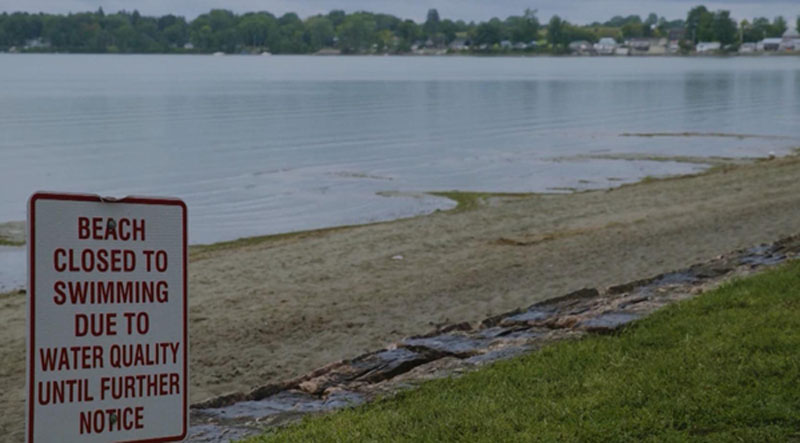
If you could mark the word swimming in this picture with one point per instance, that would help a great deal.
(110, 292)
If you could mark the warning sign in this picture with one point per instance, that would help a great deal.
(107, 338)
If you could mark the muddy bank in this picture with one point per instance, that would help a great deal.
(269, 310)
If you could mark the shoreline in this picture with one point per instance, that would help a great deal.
(410, 54)
(13, 235)
(262, 312)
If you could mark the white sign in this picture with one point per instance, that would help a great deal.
(107, 328)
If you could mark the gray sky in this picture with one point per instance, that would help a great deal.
(578, 11)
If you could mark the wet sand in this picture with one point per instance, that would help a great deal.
(269, 310)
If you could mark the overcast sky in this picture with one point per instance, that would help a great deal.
(578, 11)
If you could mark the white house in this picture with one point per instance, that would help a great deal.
(606, 46)
(747, 48)
(790, 41)
(458, 44)
(580, 47)
(708, 47)
(36, 43)
(769, 44)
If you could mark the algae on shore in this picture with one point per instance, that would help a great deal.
(468, 200)
(12, 233)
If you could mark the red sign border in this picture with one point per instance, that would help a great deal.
(32, 292)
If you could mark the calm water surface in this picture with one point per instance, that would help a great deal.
(259, 145)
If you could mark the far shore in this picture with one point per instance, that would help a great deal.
(270, 308)
(454, 54)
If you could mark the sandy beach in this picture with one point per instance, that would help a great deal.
(270, 309)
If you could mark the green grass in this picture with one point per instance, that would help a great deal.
(724, 366)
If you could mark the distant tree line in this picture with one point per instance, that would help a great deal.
(359, 32)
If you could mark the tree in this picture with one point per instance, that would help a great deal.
(619, 21)
(555, 31)
(489, 33)
(524, 28)
(431, 26)
(336, 17)
(320, 32)
(573, 33)
(778, 27)
(723, 27)
(698, 24)
(408, 32)
(756, 31)
(356, 33)
(447, 30)
(290, 35)
(255, 29)
(633, 30)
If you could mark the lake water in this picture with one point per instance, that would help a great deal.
(259, 145)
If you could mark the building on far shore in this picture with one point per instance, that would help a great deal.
(790, 40)
(459, 44)
(657, 47)
(37, 43)
(704, 47)
(748, 48)
(769, 44)
(581, 47)
(606, 46)
(622, 50)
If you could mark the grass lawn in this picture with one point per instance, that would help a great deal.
(724, 366)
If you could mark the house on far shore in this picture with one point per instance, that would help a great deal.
(657, 47)
(505, 44)
(639, 46)
(769, 44)
(580, 47)
(36, 43)
(459, 44)
(606, 46)
(520, 46)
(790, 41)
(674, 38)
(705, 47)
(188, 46)
(748, 48)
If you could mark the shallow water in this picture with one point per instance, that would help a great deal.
(259, 145)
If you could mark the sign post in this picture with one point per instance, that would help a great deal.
(107, 325)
